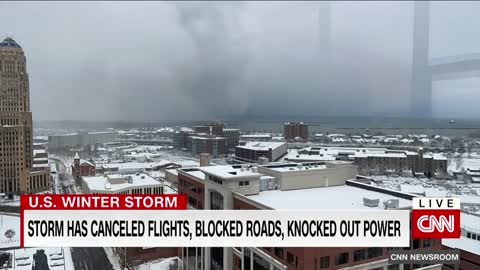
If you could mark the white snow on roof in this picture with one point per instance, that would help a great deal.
(228, 172)
(325, 198)
(99, 183)
(463, 243)
(195, 173)
(149, 165)
(83, 161)
(256, 136)
(261, 146)
(290, 167)
(470, 222)
(39, 151)
(383, 155)
(163, 264)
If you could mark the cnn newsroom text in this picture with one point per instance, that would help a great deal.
(144, 220)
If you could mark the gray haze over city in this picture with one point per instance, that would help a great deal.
(154, 61)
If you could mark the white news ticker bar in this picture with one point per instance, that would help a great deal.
(436, 203)
(402, 216)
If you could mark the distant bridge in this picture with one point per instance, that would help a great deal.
(165, 142)
(455, 66)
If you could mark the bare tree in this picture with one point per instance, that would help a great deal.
(458, 161)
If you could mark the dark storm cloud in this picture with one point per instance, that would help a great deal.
(154, 61)
(213, 76)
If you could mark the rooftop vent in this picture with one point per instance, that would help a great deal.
(393, 203)
(371, 202)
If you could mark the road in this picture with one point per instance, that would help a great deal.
(92, 258)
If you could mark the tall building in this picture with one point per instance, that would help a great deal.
(16, 147)
(293, 131)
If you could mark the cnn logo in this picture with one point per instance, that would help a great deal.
(436, 218)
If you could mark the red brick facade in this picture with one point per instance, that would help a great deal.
(195, 190)
(82, 168)
(326, 258)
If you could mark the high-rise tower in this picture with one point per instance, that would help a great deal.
(17, 174)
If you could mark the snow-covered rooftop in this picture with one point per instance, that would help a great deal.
(256, 136)
(261, 146)
(324, 198)
(195, 172)
(463, 243)
(102, 183)
(229, 171)
(289, 167)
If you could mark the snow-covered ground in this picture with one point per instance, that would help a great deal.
(164, 264)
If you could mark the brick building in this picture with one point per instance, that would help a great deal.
(243, 187)
(82, 167)
(295, 131)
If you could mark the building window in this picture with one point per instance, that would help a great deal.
(416, 243)
(324, 262)
(341, 258)
(469, 235)
(192, 201)
(216, 201)
(359, 254)
(279, 252)
(374, 252)
(290, 258)
(427, 243)
(393, 267)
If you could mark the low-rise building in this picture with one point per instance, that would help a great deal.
(289, 176)
(211, 144)
(256, 137)
(239, 187)
(80, 139)
(232, 138)
(295, 131)
(82, 167)
(252, 151)
(139, 183)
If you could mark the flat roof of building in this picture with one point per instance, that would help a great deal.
(150, 165)
(101, 183)
(463, 243)
(324, 198)
(256, 136)
(207, 138)
(292, 167)
(261, 146)
(195, 172)
(229, 171)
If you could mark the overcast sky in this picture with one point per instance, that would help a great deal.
(154, 61)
